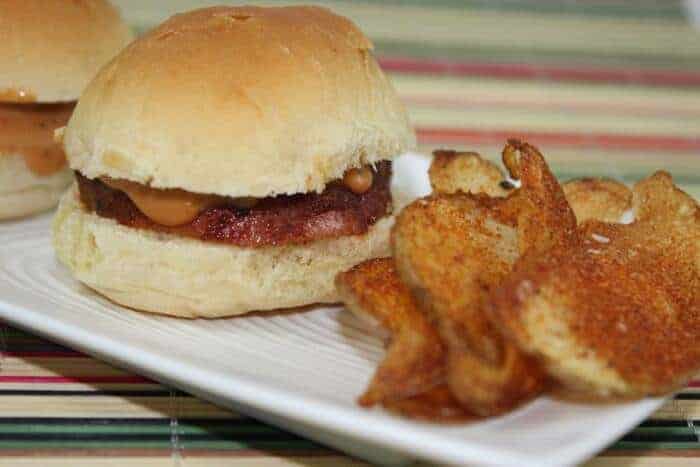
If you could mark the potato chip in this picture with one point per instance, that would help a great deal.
(450, 250)
(436, 405)
(601, 199)
(613, 310)
(468, 172)
(415, 359)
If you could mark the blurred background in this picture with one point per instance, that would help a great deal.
(603, 86)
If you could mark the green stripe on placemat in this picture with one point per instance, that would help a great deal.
(237, 434)
(117, 426)
(12, 332)
(515, 53)
(668, 9)
(68, 433)
(141, 442)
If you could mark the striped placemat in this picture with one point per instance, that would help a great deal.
(60, 407)
(604, 87)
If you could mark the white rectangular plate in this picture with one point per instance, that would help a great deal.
(299, 370)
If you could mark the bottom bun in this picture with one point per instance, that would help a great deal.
(23, 193)
(186, 277)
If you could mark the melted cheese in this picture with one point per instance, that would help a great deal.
(27, 130)
(169, 207)
(17, 95)
(173, 207)
(358, 180)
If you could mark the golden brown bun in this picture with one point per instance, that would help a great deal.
(242, 101)
(51, 49)
(190, 278)
(23, 193)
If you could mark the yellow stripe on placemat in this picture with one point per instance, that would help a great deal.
(104, 406)
(551, 120)
(451, 91)
(678, 409)
(62, 366)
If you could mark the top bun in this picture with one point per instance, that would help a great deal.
(50, 50)
(244, 101)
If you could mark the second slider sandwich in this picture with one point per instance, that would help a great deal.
(231, 160)
(49, 51)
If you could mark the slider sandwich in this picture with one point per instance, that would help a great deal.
(231, 160)
(49, 51)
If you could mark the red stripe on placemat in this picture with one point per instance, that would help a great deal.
(577, 140)
(549, 72)
(694, 384)
(73, 379)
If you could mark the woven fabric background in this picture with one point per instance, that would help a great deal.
(603, 87)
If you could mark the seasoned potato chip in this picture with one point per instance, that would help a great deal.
(493, 294)
(613, 310)
(658, 202)
(436, 405)
(544, 215)
(409, 381)
(450, 250)
(453, 171)
(591, 198)
(601, 199)
(415, 359)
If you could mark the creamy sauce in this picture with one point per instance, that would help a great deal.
(168, 207)
(358, 180)
(173, 207)
(27, 130)
(17, 96)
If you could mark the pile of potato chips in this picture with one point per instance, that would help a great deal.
(500, 290)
